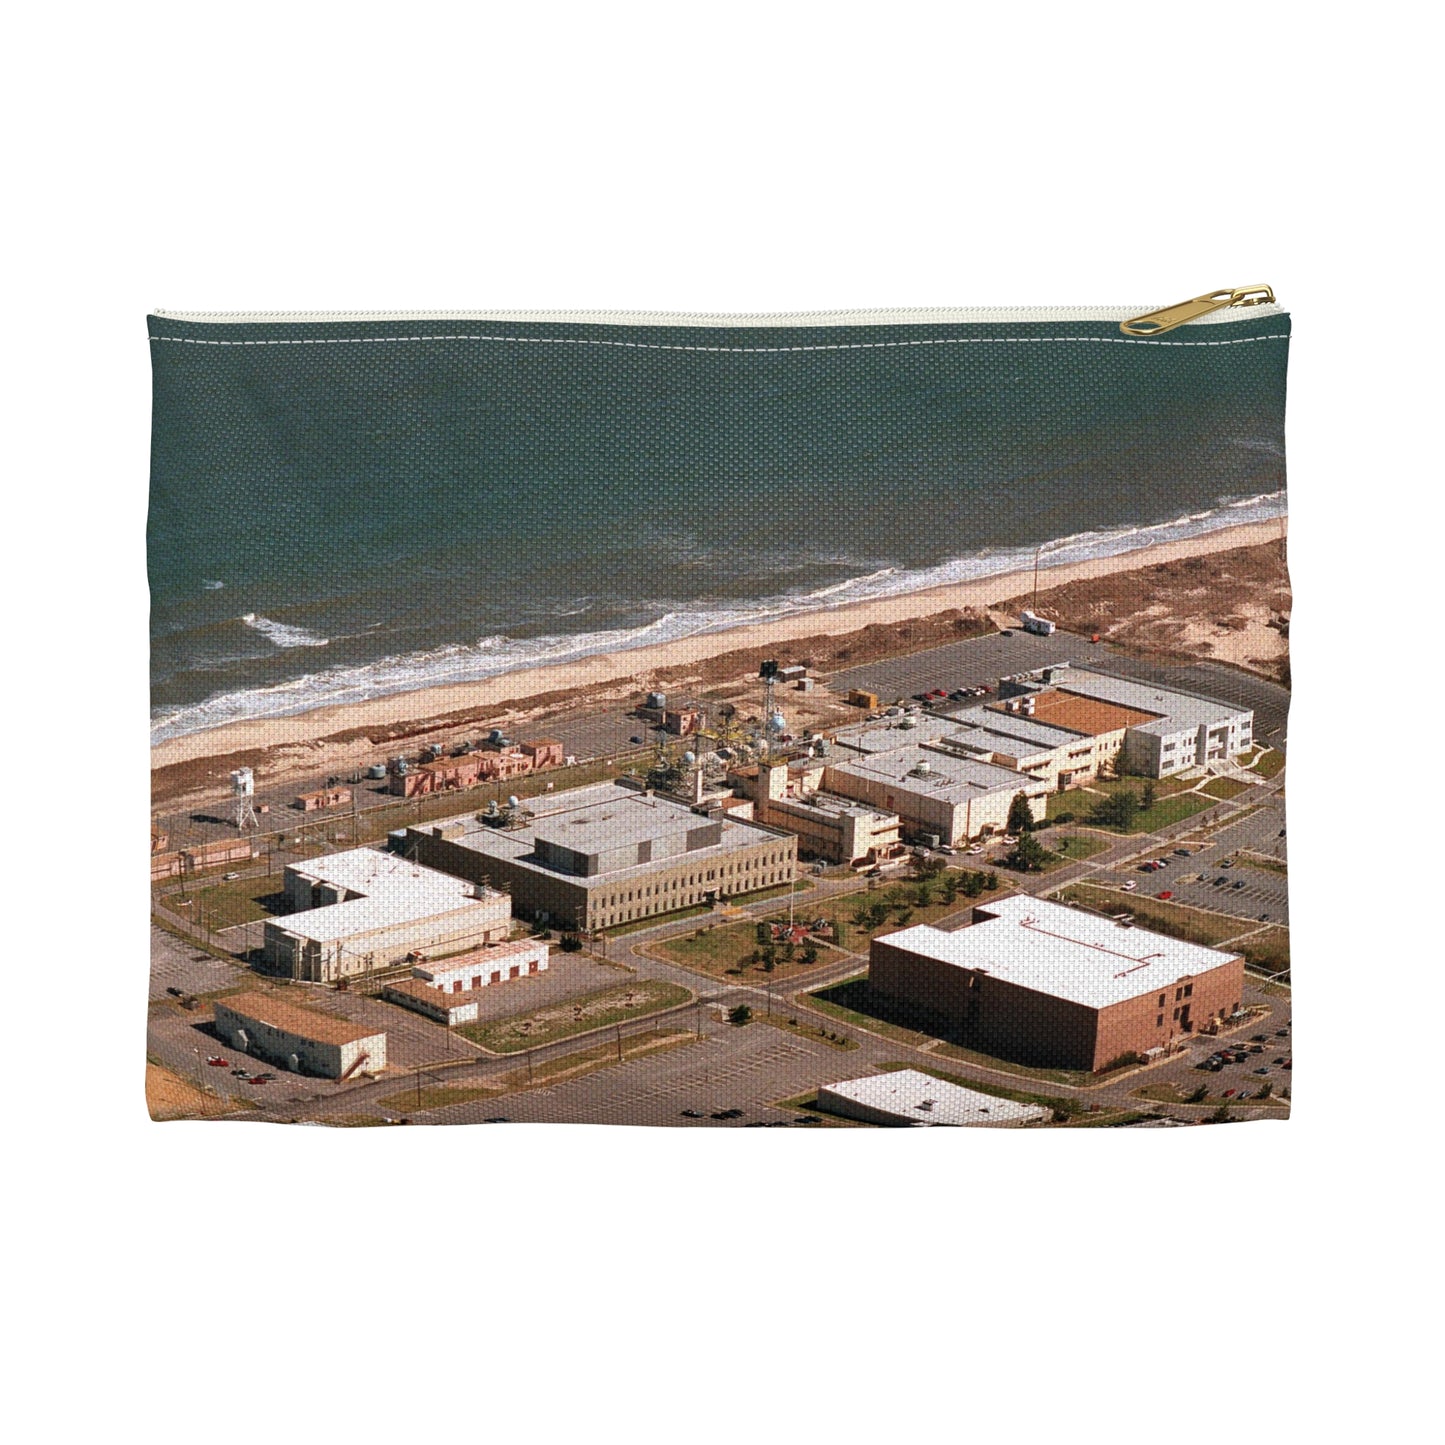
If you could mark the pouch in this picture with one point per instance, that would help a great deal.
(843, 719)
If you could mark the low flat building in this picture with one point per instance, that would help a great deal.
(592, 858)
(934, 791)
(449, 1009)
(300, 1040)
(363, 910)
(482, 967)
(1053, 986)
(909, 1099)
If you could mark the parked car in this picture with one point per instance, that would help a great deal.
(217, 1062)
(1238, 883)
(1288, 1064)
(807, 1119)
(1183, 853)
(1263, 1069)
(693, 1114)
(1227, 863)
(1129, 885)
(229, 877)
(1281, 1033)
(1009, 839)
(498, 1119)
(975, 849)
(1167, 893)
(257, 1079)
(1259, 1038)
(175, 992)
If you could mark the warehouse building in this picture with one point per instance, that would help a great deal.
(301, 1040)
(934, 792)
(596, 857)
(363, 910)
(1054, 986)
(909, 1099)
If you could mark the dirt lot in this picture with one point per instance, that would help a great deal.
(168, 1096)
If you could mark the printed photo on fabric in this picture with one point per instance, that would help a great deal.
(843, 720)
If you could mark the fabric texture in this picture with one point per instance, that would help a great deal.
(855, 725)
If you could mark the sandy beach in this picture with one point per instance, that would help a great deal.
(628, 671)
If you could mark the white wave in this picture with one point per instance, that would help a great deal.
(494, 655)
(282, 633)
(211, 586)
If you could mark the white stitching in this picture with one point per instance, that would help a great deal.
(672, 346)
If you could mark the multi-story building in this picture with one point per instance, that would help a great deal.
(1053, 986)
(1160, 731)
(935, 792)
(596, 857)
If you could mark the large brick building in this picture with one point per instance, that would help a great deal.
(1053, 986)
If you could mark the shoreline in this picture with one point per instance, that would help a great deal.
(636, 668)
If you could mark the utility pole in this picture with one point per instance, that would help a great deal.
(1038, 551)
(619, 1043)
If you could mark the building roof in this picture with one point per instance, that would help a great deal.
(517, 845)
(947, 776)
(913, 1097)
(1171, 711)
(392, 890)
(1064, 952)
(1085, 714)
(430, 994)
(489, 955)
(290, 1018)
(626, 818)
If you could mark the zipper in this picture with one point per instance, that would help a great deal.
(1203, 310)
(1152, 323)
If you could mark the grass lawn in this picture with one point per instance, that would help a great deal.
(727, 948)
(1066, 848)
(243, 900)
(1172, 918)
(903, 898)
(575, 1016)
(1270, 764)
(1172, 804)
(1224, 787)
(815, 1032)
(1264, 861)
(1268, 952)
(638, 924)
(778, 890)
(849, 1003)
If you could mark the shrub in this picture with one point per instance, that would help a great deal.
(1065, 818)
(741, 1014)
(570, 943)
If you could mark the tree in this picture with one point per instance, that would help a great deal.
(764, 932)
(1265, 1090)
(924, 895)
(1028, 855)
(809, 955)
(972, 885)
(769, 957)
(1147, 799)
(1220, 1115)
(840, 932)
(1020, 815)
(740, 1015)
(1199, 1095)
(990, 880)
(1119, 810)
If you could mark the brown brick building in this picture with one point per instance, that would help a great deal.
(1053, 986)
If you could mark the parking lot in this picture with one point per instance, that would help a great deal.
(176, 964)
(1249, 892)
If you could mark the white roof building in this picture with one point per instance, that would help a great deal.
(1064, 952)
(909, 1097)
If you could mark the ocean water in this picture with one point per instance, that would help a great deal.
(335, 523)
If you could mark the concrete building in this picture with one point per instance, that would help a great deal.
(301, 1040)
(934, 792)
(363, 910)
(596, 857)
(1053, 986)
(1162, 731)
(484, 966)
(908, 1099)
(828, 826)
(436, 1004)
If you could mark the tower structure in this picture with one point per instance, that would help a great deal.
(243, 797)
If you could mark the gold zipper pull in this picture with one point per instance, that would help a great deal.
(1171, 316)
